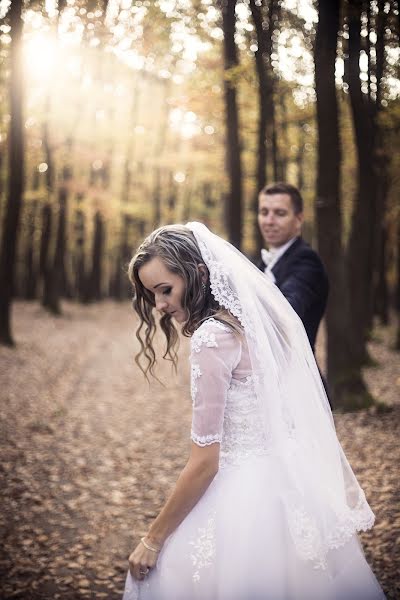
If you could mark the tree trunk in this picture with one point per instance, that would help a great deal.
(45, 240)
(397, 292)
(95, 281)
(382, 164)
(159, 152)
(362, 240)
(233, 212)
(381, 295)
(63, 193)
(31, 271)
(263, 69)
(346, 385)
(284, 137)
(55, 266)
(16, 174)
(46, 254)
(80, 234)
(301, 141)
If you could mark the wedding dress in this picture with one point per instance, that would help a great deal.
(280, 519)
(235, 543)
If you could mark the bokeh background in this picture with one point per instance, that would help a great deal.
(119, 116)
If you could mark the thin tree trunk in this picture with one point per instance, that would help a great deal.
(80, 234)
(382, 164)
(47, 217)
(300, 156)
(16, 175)
(368, 43)
(46, 254)
(63, 194)
(95, 281)
(159, 152)
(264, 89)
(397, 291)
(362, 238)
(285, 145)
(53, 290)
(31, 271)
(381, 296)
(346, 385)
(233, 212)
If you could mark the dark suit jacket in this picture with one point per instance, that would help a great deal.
(301, 277)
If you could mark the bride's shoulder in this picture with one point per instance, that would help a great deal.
(210, 333)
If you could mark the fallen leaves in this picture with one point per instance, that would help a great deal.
(85, 466)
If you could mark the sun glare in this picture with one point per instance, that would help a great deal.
(40, 55)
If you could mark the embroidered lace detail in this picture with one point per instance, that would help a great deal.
(203, 336)
(222, 291)
(195, 373)
(249, 381)
(243, 432)
(307, 537)
(205, 440)
(358, 518)
(204, 548)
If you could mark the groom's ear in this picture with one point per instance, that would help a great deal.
(203, 272)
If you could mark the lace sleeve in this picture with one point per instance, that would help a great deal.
(215, 352)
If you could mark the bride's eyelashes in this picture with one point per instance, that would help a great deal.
(167, 291)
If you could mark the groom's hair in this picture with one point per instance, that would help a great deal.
(286, 188)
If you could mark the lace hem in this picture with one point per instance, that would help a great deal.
(205, 440)
(307, 536)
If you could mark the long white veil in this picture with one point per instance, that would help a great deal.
(324, 503)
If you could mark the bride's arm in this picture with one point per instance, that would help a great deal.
(214, 355)
(193, 481)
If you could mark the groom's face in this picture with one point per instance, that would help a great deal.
(277, 220)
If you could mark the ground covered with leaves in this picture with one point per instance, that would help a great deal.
(89, 452)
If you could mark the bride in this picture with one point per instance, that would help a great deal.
(267, 506)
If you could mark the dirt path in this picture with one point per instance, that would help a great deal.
(88, 452)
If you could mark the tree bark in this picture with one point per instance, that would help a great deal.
(31, 271)
(381, 292)
(79, 254)
(345, 381)
(95, 281)
(16, 174)
(233, 212)
(46, 255)
(262, 27)
(159, 153)
(53, 288)
(362, 240)
(397, 290)
(301, 141)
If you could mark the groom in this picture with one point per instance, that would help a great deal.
(290, 262)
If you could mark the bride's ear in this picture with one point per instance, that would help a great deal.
(203, 272)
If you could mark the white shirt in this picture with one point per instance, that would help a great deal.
(271, 257)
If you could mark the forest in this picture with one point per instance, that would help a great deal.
(116, 117)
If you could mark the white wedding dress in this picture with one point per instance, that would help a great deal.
(237, 543)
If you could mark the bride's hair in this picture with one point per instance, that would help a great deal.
(176, 246)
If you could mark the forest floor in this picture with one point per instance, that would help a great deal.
(88, 452)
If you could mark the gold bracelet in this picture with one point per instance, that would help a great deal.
(148, 547)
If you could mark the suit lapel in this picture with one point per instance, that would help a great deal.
(279, 268)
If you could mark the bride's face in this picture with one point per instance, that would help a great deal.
(166, 286)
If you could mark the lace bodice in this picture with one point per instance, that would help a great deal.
(225, 406)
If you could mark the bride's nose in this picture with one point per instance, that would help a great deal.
(161, 304)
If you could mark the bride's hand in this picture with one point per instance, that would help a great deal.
(142, 560)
